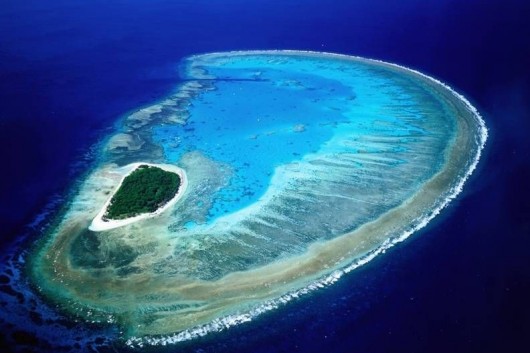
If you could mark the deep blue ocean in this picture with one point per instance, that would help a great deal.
(69, 69)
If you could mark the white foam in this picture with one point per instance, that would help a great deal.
(228, 321)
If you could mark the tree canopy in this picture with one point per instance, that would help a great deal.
(143, 191)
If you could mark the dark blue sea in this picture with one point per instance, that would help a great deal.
(70, 69)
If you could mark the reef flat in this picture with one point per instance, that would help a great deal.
(300, 167)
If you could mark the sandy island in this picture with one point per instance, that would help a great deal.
(98, 224)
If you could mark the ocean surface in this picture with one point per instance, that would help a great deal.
(69, 71)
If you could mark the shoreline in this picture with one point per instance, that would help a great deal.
(99, 225)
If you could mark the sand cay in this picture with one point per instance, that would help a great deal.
(99, 224)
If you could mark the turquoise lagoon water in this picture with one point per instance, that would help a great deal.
(264, 113)
(300, 166)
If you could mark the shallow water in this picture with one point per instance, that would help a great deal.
(301, 166)
(263, 114)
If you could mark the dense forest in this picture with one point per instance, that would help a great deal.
(143, 191)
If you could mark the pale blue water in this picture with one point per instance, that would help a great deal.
(259, 117)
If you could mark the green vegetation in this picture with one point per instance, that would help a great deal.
(143, 191)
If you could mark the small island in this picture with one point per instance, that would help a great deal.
(144, 192)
